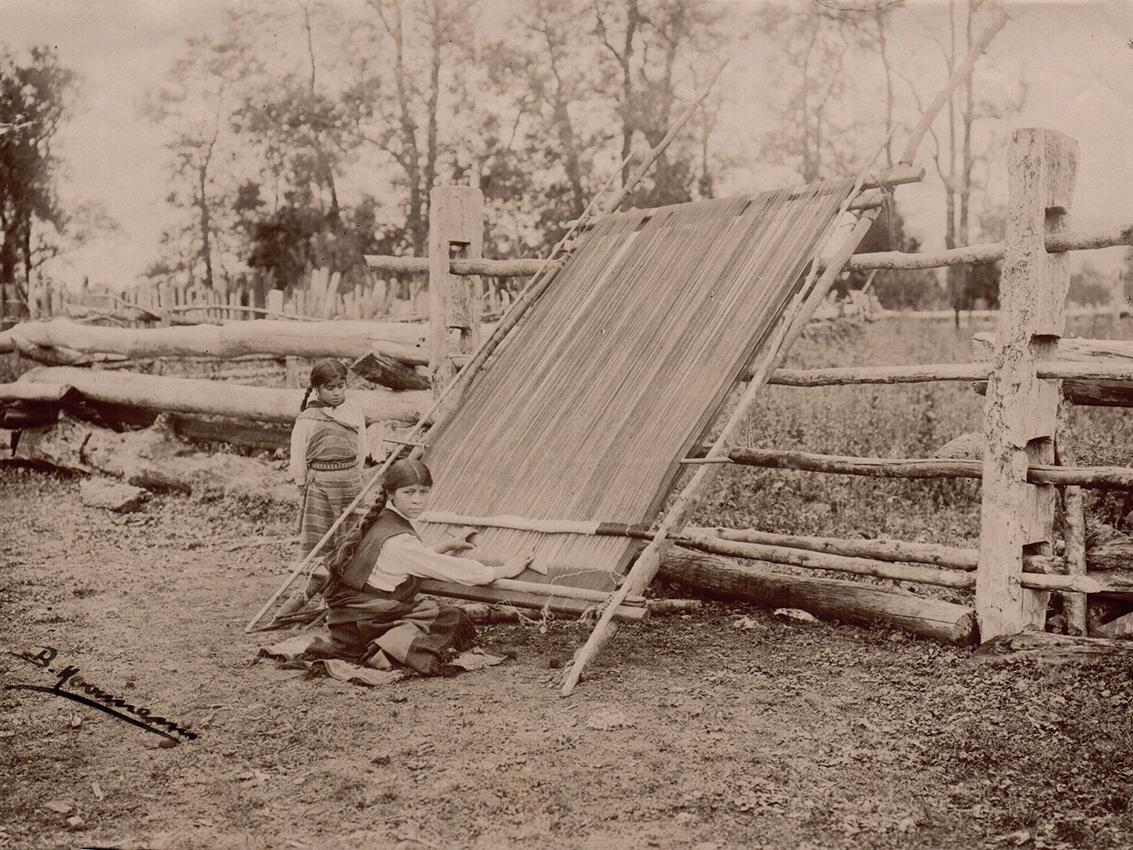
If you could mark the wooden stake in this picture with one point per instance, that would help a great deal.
(456, 229)
(1020, 413)
(1073, 526)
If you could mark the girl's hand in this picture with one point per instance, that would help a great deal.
(452, 547)
(514, 566)
(467, 538)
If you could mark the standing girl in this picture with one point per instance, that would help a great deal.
(328, 450)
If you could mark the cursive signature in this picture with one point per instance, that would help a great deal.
(96, 697)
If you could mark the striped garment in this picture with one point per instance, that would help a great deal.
(374, 628)
(327, 494)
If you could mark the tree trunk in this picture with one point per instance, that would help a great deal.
(828, 599)
(155, 459)
(213, 398)
(346, 339)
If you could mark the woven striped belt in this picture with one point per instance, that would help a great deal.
(331, 465)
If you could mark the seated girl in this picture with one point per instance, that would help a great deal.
(375, 573)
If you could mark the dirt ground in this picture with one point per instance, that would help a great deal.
(688, 732)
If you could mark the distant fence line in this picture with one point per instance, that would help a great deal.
(244, 297)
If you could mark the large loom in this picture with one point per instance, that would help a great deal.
(620, 368)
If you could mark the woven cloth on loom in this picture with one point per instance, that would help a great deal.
(586, 409)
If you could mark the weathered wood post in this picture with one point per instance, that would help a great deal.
(1074, 605)
(456, 230)
(1021, 411)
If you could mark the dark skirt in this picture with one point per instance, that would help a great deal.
(419, 634)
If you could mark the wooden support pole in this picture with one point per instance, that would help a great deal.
(1073, 525)
(950, 557)
(456, 230)
(988, 252)
(545, 589)
(1100, 477)
(1104, 377)
(1020, 413)
(559, 604)
(833, 563)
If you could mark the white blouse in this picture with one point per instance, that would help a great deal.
(347, 414)
(403, 555)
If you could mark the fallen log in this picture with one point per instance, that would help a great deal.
(20, 391)
(211, 398)
(345, 339)
(389, 372)
(1111, 555)
(1049, 647)
(248, 434)
(1095, 352)
(153, 458)
(847, 601)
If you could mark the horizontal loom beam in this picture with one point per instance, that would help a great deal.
(985, 252)
(524, 267)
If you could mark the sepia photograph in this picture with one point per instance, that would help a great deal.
(566, 424)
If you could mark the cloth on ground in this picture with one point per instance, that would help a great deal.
(303, 650)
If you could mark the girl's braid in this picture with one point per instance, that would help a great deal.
(348, 542)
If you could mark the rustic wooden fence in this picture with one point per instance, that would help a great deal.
(397, 294)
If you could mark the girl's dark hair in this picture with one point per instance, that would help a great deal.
(323, 372)
(403, 473)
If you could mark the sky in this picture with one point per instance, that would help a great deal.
(1074, 56)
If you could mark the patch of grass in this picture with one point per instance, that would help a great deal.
(904, 420)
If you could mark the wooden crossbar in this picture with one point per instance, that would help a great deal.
(1099, 477)
(852, 375)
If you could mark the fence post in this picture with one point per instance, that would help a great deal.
(1021, 411)
(456, 229)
